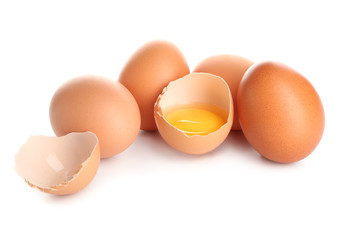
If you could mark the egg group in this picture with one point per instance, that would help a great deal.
(278, 110)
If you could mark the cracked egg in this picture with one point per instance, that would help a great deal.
(59, 165)
(194, 114)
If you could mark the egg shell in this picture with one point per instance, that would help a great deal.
(280, 112)
(99, 105)
(194, 88)
(59, 165)
(231, 68)
(148, 71)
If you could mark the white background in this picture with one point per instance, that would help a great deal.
(150, 191)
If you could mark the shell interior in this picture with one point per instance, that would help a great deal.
(47, 162)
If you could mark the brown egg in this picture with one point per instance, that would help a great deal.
(148, 71)
(206, 99)
(59, 165)
(280, 112)
(99, 105)
(231, 68)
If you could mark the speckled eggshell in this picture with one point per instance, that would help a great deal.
(148, 71)
(194, 88)
(280, 112)
(231, 68)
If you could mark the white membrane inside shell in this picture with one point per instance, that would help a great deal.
(50, 161)
(196, 88)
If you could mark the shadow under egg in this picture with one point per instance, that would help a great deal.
(237, 141)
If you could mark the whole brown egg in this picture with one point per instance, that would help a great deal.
(101, 106)
(148, 71)
(280, 112)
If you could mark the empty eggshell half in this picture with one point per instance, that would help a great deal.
(201, 89)
(59, 165)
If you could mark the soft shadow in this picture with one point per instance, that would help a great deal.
(237, 141)
(271, 163)
(155, 144)
(109, 159)
(149, 140)
(147, 146)
(51, 198)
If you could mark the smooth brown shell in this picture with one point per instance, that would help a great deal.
(231, 68)
(98, 105)
(148, 71)
(280, 112)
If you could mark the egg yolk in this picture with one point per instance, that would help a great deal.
(195, 121)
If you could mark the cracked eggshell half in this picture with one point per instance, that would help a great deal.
(59, 165)
(202, 89)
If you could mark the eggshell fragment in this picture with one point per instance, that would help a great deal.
(194, 88)
(148, 71)
(280, 112)
(59, 165)
(98, 105)
(231, 68)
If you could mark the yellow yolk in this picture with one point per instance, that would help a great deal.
(195, 121)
